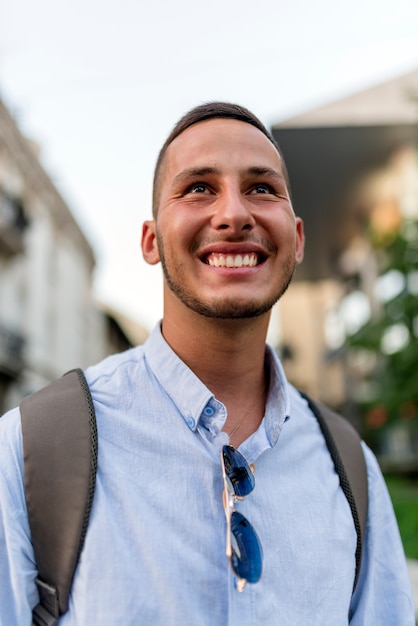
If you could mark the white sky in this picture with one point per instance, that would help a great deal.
(99, 85)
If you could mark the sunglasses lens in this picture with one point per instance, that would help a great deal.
(247, 556)
(238, 473)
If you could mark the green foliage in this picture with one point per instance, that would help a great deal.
(392, 335)
(404, 495)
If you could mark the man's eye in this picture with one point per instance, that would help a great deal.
(197, 188)
(262, 188)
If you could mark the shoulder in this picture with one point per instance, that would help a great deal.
(116, 381)
(11, 461)
(109, 365)
(10, 434)
(115, 370)
(379, 499)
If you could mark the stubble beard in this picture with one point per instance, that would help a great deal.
(226, 309)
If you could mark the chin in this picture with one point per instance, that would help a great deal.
(229, 309)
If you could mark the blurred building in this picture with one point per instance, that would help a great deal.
(49, 321)
(350, 162)
(121, 332)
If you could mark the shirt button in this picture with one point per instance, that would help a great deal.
(209, 411)
(191, 422)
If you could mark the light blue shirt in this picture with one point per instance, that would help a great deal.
(155, 547)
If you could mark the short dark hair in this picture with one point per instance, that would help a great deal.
(202, 113)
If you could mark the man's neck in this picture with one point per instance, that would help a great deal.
(228, 357)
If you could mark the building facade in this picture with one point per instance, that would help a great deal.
(49, 320)
(352, 166)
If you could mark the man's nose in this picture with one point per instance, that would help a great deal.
(232, 212)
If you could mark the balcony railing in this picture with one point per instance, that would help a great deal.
(12, 225)
(11, 352)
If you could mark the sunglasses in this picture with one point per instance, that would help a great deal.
(243, 547)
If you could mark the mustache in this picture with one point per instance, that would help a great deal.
(261, 242)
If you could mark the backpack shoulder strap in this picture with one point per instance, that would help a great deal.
(60, 461)
(344, 445)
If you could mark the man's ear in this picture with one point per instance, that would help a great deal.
(300, 241)
(149, 243)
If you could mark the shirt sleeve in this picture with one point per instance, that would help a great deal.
(383, 596)
(18, 593)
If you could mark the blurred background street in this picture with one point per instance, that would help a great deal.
(89, 91)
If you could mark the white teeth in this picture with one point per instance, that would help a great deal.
(233, 260)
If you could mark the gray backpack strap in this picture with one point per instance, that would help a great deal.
(344, 445)
(60, 461)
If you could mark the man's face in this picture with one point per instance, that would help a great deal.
(225, 232)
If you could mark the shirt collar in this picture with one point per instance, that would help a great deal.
(278, 399)
(186, 390)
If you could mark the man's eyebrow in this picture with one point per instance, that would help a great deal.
(255, 170)
(193, 172)
(265, 171)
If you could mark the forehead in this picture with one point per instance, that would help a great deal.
(220, 143)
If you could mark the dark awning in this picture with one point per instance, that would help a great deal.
(324, 164)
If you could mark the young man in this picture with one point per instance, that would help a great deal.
(228, 240)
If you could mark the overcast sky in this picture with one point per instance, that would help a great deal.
(99, 85)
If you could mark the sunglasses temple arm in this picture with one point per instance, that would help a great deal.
(228, 507)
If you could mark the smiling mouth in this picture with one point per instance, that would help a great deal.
(251, 259)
